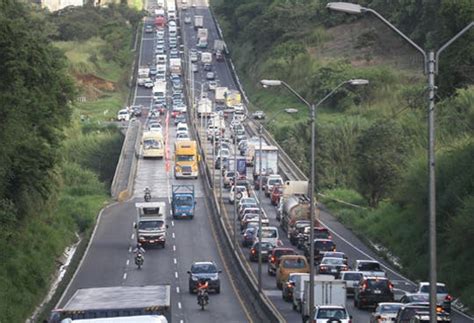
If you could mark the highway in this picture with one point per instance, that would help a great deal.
(109, 260)
(346, 241)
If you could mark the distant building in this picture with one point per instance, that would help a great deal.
(54, 5)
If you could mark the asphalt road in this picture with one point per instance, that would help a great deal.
(109, 261)
(345, 240)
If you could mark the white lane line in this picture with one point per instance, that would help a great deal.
(132, 236)
(172, 234)
(124, 276)
(130, 249)
(175, 261)
(172, 223)
(128, 262)
(177, 289)
(174, 248)
(176, 274)
(181, 321)
(179, 305)
(171, 212)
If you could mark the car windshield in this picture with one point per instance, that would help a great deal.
(377, 284)
(297, 263)
(440, 289)
(184, 200)
(390, 308)
(352, 276)
(282, 252)
(274, 181)
(269, 234)
(150, 225)
(203, 269)
(321, 234)
(185, 158)
(324, 245)
(332, 261)
(369, 266)
(152, 144)
(328, 313)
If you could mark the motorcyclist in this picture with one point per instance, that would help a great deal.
(138, 249)
(147, 194)
(202, 287)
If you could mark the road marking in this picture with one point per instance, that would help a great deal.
(174, 247)
(273, 292)
(181, 321)
(179, 305)
(172, 223)
(128, 262)
(130, 249)
(176, 274)
(132, 236)
(177, 289)
(175, 261)
(124, 276)
(172, 234)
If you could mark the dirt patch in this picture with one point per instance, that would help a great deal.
(368, 42)
(93, 87)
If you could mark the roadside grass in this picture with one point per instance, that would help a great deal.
(136, 4)
(102, 110)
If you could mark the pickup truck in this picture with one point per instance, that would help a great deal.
(369, 268)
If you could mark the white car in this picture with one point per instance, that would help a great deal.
(155, 127)
(325, 312)
(385, 312)
(195, 68)
(187, 20)
(212, 85)
(182, 135)
(270, 234)
(123, 115)
(160, 34)
(237, 192)
(225, 153)
(193, 57)
(210, 76)
(182, 127)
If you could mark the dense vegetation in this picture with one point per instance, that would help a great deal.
(55, 167)
(371, 141)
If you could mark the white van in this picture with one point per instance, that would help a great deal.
(270, 234)
(123, 115)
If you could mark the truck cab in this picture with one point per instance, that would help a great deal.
(186, 159)
(151, 223)
(183, 201)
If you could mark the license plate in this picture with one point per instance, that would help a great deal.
(377, 292)
(334, 270)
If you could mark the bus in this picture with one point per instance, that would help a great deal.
(153, 145)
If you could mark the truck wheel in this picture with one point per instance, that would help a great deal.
(218, 290)
(295, 307)
(163, 245)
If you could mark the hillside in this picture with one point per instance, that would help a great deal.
(371, 141)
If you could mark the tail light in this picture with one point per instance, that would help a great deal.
(323, 268)
(364, 286)
(390, 285)
(253, 251)
(273, 259)
(448, 298)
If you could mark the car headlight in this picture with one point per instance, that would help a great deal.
(194, 278)
(215, 277)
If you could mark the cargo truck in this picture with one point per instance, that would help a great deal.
(206, 58)
(204, 108)
(175, 66)
(299, 285)
(198, 22)
(294, 208)
(186, 159)
(202, 35)
(221, 93)
(269, 160)
(151, 223)
(151, 304)
(326, 292)
(183, 201)
(143, 75)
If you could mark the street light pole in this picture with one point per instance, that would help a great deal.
(260, 131)
(235, 181)
(430, 68)
(312, 108)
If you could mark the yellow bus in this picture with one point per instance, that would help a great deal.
(153, 145)
(186, 159)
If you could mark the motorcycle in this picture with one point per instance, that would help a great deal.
(202, 298)
(139, 260)
(147, 195)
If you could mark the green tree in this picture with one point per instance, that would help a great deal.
(34, 107)
(380, 155)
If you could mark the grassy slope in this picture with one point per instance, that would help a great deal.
(26, 272)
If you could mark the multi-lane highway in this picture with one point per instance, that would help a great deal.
(109, 260)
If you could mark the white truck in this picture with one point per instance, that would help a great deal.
(221, 93)
(198, 22)
(299, 282)
(219, 45)
(202, 35)
(159, 90)
(206, 58)
(326, 292)
(175, 66)
(269, 160)
(147, 304)
(151, 223)
(204, 107)
(143, 75)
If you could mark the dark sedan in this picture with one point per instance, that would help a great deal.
(266, 248)
(206, 270)
(332, 266)
(248, 237)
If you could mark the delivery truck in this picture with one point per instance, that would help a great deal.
(204, 107)
(151, 223)
(120, 304)
(326, 292)
(198, 22)
(183, 201)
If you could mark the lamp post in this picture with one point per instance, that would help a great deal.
(312, 108)
(430, 59)
(235, 180)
